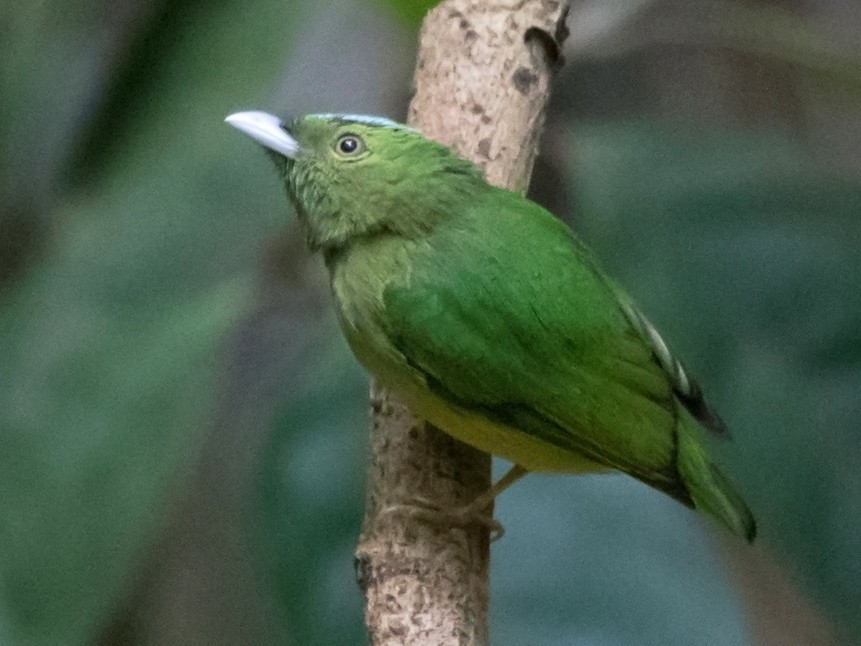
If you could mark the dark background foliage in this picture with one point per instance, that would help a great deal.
(182, 429)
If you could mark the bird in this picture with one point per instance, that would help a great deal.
(489, 316)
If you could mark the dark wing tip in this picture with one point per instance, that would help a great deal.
(696, 405)
(685, 388)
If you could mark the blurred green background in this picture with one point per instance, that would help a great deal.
(182, 429)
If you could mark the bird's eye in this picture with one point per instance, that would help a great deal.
(350, 145)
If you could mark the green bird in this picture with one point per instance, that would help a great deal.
(488, 315)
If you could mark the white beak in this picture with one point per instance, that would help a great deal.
(267, 130)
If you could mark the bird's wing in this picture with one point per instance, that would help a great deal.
(516, 322)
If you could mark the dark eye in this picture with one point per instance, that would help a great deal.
(350, 145)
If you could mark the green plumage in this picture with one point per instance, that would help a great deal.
(491, 318)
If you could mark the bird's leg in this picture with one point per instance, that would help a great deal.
(469, 514)
(515, 473)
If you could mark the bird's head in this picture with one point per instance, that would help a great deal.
(352, 176)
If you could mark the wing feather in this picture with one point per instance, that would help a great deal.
(522, 327)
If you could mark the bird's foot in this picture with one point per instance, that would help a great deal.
(464, 516)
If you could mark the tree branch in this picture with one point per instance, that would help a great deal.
(482, 83)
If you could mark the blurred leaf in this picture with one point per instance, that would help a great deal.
(56, 59)
(111, 346)
(411, 12)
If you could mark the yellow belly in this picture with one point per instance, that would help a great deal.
(491, 437)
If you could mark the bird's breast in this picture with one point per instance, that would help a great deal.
(359, 279)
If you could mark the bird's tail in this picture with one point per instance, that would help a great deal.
(709, 489)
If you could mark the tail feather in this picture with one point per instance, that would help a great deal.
(708, 488)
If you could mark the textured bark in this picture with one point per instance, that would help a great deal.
(482, 83)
